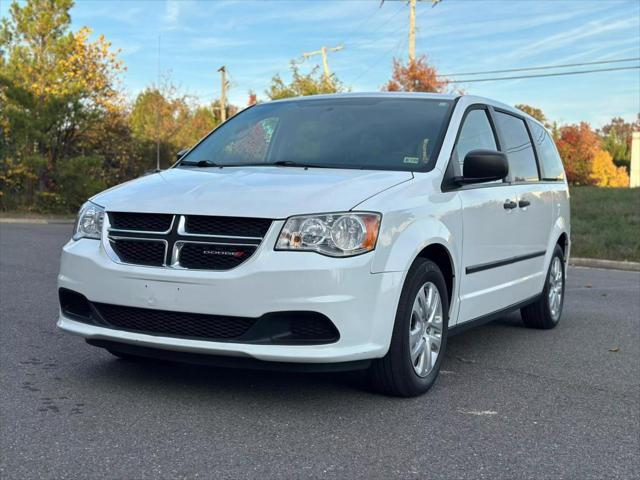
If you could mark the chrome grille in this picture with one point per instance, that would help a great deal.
(183, 241)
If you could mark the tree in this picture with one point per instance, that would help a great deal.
(313, 83)
(415, 76)
(584, 161)
(196, 124)
(604, 173)
(162, 116)
(616, 139)
(155, 122)
(55, 86)
(534, 112)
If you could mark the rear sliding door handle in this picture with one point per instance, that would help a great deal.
(510, 205)
(524, 203)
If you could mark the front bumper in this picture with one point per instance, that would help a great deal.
(362, 305)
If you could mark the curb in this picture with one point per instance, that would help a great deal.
(38, 221)
(606, 264)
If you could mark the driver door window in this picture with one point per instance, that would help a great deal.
(476, 134)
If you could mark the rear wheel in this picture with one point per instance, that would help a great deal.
(545, 312)
(419, 337)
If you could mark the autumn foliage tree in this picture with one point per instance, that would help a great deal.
(415, 76)
(535, 112)
(584, 160)
(57, 85)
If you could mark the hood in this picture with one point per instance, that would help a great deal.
(267, 192)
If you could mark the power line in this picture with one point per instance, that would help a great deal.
(558, 74)
(524, 69)
(384, 24)
(366, 70)
(394, 47)
(360, 25)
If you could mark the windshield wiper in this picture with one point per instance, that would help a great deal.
(198, 163)
(291, 163)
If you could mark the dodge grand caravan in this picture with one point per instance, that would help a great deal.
(339, 231)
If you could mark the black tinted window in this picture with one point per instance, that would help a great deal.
(548, 154)
(517, 146)
(383, 133)
(476, 134)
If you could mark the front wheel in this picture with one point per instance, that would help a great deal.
(545, 312)
(419, 338)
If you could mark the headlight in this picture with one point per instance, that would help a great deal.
(89, 222)
(336, 234)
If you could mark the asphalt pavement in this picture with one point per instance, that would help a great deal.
(510, 402)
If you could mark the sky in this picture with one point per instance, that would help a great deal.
(257, 39)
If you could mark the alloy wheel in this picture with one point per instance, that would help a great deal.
(425, 329)
(556, 284)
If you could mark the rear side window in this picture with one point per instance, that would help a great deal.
(551, 164)
(476, 134)
(517, 146)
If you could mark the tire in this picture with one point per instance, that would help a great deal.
(396, 374)
(540, 314)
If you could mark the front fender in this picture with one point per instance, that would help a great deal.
(403, 237)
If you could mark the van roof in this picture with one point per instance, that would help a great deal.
(421, 95)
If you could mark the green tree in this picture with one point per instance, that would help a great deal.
(162, 116)
(616, 139)
(155, 122)
(313, 83)
(55, 86)
(199, 121)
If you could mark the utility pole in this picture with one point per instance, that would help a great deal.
(223, 94)
(325, 64)
(158, 115)
(412, 30)
(412, 26)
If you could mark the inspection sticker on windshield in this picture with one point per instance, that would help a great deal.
(411, 160)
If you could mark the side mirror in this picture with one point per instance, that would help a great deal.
(483, 166)
(181, 153)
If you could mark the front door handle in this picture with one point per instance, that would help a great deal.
(524, 203)
(510, 205)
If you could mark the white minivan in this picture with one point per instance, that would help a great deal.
(328, 232)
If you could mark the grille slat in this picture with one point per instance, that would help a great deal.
(142, 222)
(181, 324)
(227, 226)
(139, 252)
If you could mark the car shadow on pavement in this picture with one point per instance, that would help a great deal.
(161, 374)
(109, 372)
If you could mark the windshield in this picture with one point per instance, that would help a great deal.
(366, 133)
